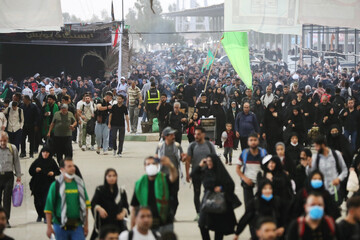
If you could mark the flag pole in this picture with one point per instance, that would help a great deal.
(207, 80)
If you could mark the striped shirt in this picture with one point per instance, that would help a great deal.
(134, 94)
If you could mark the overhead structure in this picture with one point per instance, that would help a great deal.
(30, 16)
(288, 16)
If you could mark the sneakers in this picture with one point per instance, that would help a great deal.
(110, 148)
(22, 155)
(31, 156)
(83, 148)
(105, 153)
(197, 217)
(119, 155)
(98, 150)
(38, 219)
(92, 148)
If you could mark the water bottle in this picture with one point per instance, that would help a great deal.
(52, 237)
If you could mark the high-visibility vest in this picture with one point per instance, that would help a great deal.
(153, 97)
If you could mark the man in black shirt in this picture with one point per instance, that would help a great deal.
(147, 193)
(349, 227)
(202, 108)
(31, 118)
(190, 97)
(175, 120)
(101, 127)
(315, 225)
(117, 123)
(163, 108)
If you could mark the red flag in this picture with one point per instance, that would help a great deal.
(116, 37)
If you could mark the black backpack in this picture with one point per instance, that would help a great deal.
(155, 234)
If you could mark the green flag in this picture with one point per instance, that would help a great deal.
(237, 49)
(208, 61)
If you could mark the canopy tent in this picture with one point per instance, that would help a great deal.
(30, 16)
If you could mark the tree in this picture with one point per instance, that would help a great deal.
(110, 60)
(143, 20)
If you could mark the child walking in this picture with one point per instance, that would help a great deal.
(229, 144)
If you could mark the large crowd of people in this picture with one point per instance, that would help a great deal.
(297, 131)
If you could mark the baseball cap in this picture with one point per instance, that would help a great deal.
(167, 131)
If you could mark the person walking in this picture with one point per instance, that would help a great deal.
(15, 123)
(152, 100)
(101, 127)
(43, 171)
(67, 205)
(142, 229)
(48, 112)
(197, 151)
(331, 163)
(350, 117)
(9, 161)
(173, 150)
(154, 190)
(63, 124)
(314, 225)
(3, 221)
(105, 206)
(86, 113)
(117, 117)
(349, 227)
(245, 124)
(163, 109)
(31, 119)
(216, 179)
(175, 120)
(249, 165)
(134, 101)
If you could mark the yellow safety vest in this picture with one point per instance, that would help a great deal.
(151, 100)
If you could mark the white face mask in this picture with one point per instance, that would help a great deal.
(151, 170)
(294, 144)
(69, 176)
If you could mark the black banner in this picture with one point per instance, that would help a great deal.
(66, 38)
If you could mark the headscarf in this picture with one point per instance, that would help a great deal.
(107, 189)
(221, 174)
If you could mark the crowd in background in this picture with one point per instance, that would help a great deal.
(274, 123)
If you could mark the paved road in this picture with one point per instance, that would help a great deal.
(130, 168)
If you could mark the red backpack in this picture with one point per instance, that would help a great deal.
(301, 224)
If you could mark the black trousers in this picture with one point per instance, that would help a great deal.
(39, 202)
(162, 125)
(6, 187)
(243, 142)
(62, 146)
(178, 136)
(15, 138)
(175, 201)
(197, 190)
(113, 133)
(28, 131)
(206, 236)
(248, 193)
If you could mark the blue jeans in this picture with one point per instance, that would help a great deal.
(353, 138)
(61, 234)
(102, 135)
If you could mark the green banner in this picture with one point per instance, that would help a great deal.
(208, 61)
(237, 49)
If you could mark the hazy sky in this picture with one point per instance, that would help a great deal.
(84, 9)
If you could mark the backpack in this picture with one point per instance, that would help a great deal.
(301, 225)
(338, 167)
(7, 114)
(245, 154)
(155, 234)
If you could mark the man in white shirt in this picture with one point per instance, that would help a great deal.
(15, 123)
(27, 91)
(142, 229)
